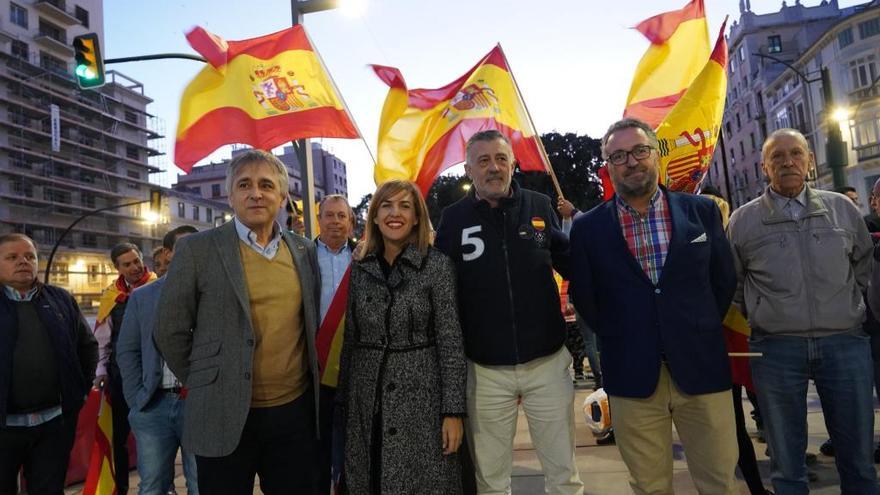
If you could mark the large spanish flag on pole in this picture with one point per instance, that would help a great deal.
(679, 49)
(423, 132)
(689, 132)
(263, 92)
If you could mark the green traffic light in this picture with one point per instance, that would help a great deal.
(85, 72)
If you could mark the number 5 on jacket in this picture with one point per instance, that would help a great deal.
(476, 242)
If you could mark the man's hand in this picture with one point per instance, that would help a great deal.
(453, 428)
(565, 207)
(100, 381)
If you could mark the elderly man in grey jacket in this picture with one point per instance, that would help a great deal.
(803, 259)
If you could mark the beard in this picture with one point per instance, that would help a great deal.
(636, 189)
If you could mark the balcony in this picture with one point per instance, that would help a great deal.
(57, 45)
(866, 153)
(57, 10)
(864, 95)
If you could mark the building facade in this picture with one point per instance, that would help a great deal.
(94, 154)
(330, 172)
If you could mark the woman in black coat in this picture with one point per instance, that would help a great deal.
(403, 373)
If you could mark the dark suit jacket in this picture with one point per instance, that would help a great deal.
(139, 361)
(680, 317)
(206, 335)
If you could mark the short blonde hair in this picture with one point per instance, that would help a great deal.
(421, 234)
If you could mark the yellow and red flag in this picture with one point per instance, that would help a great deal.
(679, 49)
(423, 132)
(100, 478)
(736, 336)
(331, 332)
(262, 92)
(688, 134)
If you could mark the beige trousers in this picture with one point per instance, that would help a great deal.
(547, 395)
(705, 425)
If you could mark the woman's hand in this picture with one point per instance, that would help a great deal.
(453, 429)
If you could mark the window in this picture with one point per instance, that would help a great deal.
(742, 150)
(89, 240)
(865, 133)
(197, 190)
(52, 31)
(87, 199)
(727, 128)
(209, 215)
(774, 44)
(18, 15)
(181, 210)
(131, 117)
(742, 53)
(869, 28)
(60, 273)
(94, 274)
(749, 110)
(134, 174)
(195, 212)
(757, 172)
(52, 64)
(20, 49)
(845, 38)
(215, 190)
(132, 152)
(863, 72)
(22, 188)
(752, 140)
(738, 122)
(56, 195)
(83, 15)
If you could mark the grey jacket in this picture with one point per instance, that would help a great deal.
(139, 361)
(801, 278)
(205, 334)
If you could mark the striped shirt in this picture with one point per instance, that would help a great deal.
(647, 236)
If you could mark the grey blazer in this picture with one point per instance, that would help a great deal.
(139, 361)
(206, 291)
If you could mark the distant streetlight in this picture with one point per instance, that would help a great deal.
(151, 217)
(466, 186)
(841, 114)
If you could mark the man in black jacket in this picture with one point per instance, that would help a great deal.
(505, 242)
(47, 364)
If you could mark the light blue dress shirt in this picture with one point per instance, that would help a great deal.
(333, 266)
(250, 238)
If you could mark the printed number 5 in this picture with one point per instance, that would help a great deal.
(476, 242)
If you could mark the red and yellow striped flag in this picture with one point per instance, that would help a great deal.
(736, 336)
(679, 49)
(688, 134)
(262, 92)
(331, 333)
(100, 477)
(423, 132)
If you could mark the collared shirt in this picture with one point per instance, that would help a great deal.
(16, 295)
(793, 207)
(250, 238)
(333, 266)
(168, 378)
(647, 236)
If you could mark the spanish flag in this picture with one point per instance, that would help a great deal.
(262, 92)
(688, 134)
(423, 132)
(100, 479)
(679, 49)
(736, 337)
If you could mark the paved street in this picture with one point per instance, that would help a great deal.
(603, 471)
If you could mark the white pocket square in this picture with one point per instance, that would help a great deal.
(699, 238)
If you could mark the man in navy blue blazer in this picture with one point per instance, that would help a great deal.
(653, 274)
(151, 390)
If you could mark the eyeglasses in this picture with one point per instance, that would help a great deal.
(639, 152)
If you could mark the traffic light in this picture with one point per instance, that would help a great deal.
(89, 64)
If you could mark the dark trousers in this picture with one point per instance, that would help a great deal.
(121, 429)
(747, 463)
(43, 451)
(278, 444)
(325, 444)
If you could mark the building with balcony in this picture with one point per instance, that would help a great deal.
(66, 152)
(330, 175)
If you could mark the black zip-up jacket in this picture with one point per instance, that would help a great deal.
(508, 300)
(73, 343)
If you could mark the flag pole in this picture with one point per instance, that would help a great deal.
(342, 98)
(522, 100)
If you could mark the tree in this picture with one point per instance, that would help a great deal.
(360, 215)
(447, 189)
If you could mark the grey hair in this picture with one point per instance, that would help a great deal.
(488, 135)
(629, 123)
(257, 156)
(785, 130)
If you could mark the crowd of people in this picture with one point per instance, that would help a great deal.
(448, 332)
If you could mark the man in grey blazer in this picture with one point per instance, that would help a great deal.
(240, 313)
(154, 395)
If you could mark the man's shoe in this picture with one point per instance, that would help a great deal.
(877, 454)
(827, 448)
(607, 439)
(810, 458)
(812, 477)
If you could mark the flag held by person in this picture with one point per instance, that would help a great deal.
(262, 91)
(688, 134)
(679, 49)
(422, 132)
(100, 476)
